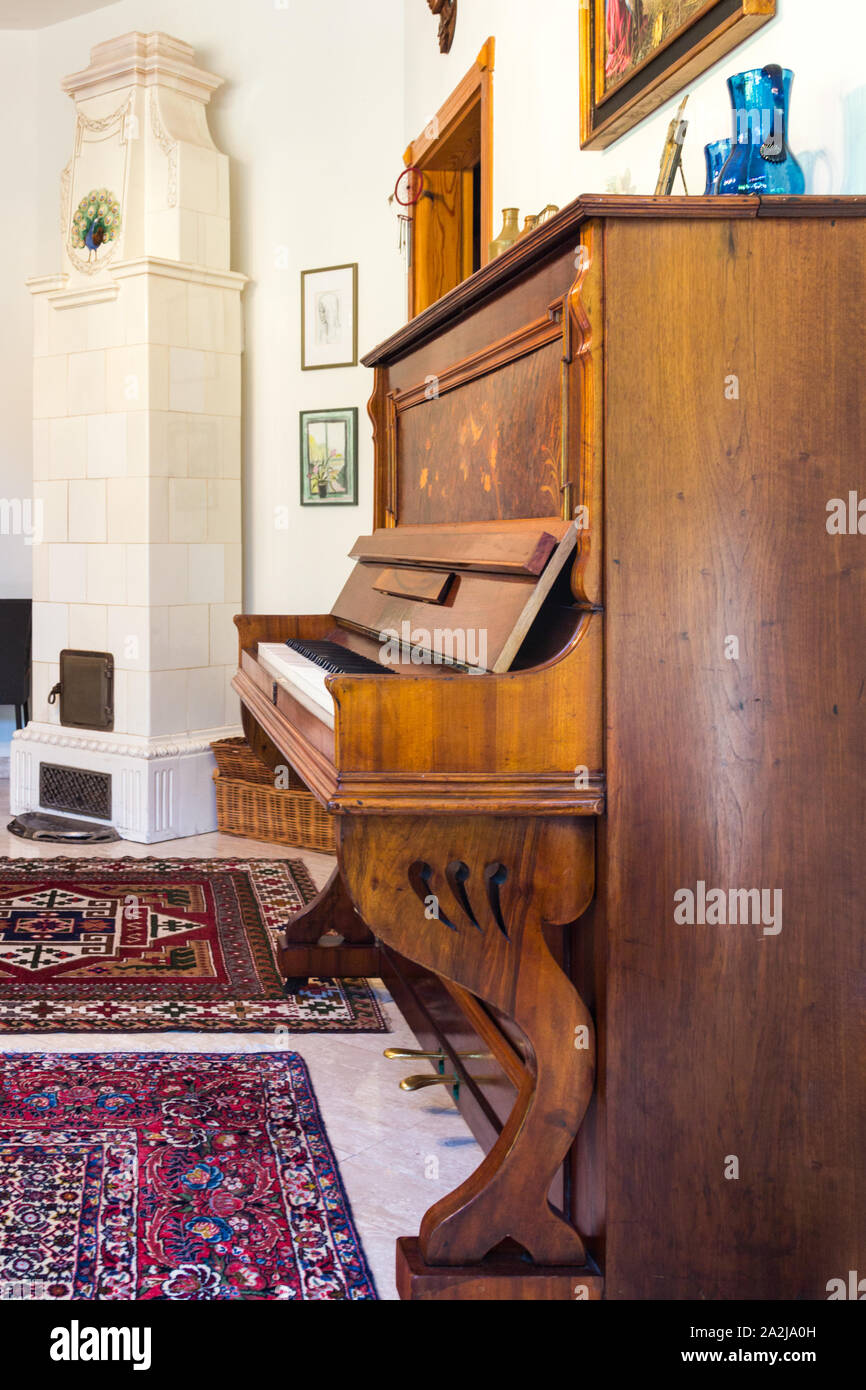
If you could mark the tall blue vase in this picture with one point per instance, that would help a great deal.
(716, 154)
(760, 160)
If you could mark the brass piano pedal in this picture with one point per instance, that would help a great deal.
(418, 1083)
(407, 1054)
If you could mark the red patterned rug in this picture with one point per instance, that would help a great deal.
(161, 1175)
(152, 945)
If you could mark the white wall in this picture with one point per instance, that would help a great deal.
(311, 117)
(537, 155)
(18, 255)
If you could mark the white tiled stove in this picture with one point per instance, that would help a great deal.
(137, 403)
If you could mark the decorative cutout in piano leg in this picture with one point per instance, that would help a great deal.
(420, 875)
(494, 876)
(497, 903)
(457, 873)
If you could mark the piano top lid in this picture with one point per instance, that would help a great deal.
(559, 233)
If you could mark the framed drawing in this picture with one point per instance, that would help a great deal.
(329, 317)
(329, 458)
(636, 54)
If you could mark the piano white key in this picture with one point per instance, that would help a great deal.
(299, 670)
(302, 678)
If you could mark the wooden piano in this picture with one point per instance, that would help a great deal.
(521, 714)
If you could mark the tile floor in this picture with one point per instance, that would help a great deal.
(398, 1153)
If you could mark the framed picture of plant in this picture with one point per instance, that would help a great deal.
(329, 458)
(636, 54)
(329, 317)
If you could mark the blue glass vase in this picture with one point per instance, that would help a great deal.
(716, 155)
(760, 160)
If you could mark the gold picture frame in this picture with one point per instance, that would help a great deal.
(656, 56)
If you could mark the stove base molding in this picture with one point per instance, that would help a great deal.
(161, 790)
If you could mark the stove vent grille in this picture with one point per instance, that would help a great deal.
(75, 790)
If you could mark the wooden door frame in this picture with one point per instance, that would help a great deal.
(475, 89)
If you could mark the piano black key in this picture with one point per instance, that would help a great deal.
(337, 660)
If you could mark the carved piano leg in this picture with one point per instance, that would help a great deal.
(471, 898)
(331, 910)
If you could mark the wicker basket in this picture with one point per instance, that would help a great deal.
(249, 804)
(235, 758)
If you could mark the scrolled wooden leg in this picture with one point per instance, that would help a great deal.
(507, 1195)
(471, 898)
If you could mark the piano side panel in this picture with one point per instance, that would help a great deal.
(745, 774)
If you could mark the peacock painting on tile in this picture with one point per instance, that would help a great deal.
(96, 222)
(636, 29)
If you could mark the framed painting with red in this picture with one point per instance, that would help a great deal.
(637, 54)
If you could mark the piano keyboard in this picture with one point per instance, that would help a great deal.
(337, 660)
(302, 668)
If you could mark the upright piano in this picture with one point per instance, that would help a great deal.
(594, 465)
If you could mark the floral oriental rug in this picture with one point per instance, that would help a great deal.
(154, 945)
(159, 1175)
